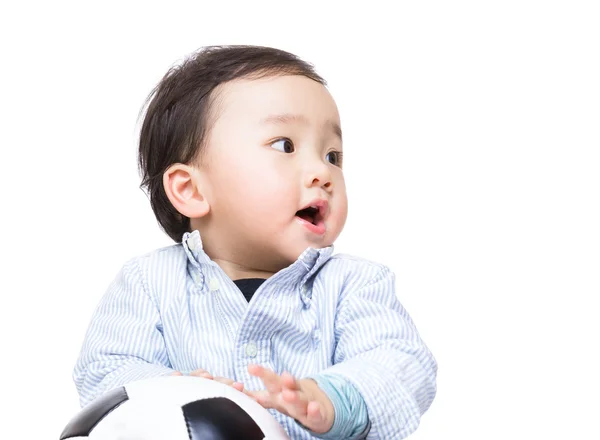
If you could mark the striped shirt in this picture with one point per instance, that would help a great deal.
(176, 310)
(351, 420)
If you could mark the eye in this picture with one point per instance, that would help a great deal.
(334, 157)
(284, 145)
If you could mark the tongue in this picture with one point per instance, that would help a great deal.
(305, 216)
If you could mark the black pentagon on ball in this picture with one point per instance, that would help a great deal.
(219, 418)
(83, 423)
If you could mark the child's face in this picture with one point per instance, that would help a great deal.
(262, 166)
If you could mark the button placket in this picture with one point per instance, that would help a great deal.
(198, 277)
(305, 295)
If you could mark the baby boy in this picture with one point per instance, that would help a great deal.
(241, 154)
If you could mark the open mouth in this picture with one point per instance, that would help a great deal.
(313, 217)
(311, 214)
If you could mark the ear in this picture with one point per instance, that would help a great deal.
(182, 186)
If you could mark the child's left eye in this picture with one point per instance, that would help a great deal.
(334, 157)
(284, 145)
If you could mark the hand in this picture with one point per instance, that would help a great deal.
(205, 374)
(301, 399)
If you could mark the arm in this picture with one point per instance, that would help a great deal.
(124, 341)
(379, 351)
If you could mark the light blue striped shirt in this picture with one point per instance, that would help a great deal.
(324, 315)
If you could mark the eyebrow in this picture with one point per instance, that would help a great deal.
(287, 118)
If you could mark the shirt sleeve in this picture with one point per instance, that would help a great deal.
(379, 351)
(124, 341)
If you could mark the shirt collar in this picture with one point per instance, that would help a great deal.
(300, 273)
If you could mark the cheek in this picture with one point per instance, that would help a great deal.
(267, 186)
(341, 206)
(342, 213)
(270, 175)
(250, 188)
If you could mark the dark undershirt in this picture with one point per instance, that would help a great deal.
(248, 286)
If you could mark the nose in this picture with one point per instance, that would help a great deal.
(319, 174)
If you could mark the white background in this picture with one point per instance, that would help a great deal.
(472, 163)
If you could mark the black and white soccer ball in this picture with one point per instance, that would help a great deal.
(174, 408)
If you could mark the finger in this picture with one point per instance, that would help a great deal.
(264, 398)
(201, 373)
(295, 403)
(252, 394)
(291, 406)
(289, 381)
(315, 414)
(176, 373)
(255, 370)
(237, 385)
(271, 380)
(224, 380)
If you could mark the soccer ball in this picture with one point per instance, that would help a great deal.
(174, 408)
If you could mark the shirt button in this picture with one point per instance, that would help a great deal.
(305, 289)
(198, 277)
(251, 349)
(213, 284)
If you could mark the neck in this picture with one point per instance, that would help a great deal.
(237, 272)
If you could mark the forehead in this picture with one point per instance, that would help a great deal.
(276, 99)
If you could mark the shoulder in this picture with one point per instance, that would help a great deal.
(167, 256)
(354, 270)
(158, 267)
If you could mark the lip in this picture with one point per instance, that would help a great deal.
(318, 229)
(319, 226)
(321, 204)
